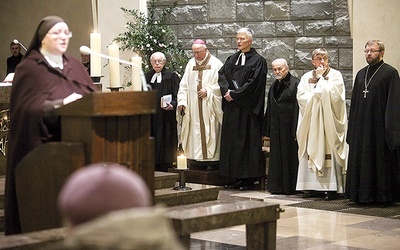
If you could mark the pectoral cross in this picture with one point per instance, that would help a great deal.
(365, 91)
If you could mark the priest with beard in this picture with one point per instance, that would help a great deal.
(374, 132)
(280, 129)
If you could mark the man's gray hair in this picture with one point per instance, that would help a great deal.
(246, 30)
(158, 54)
(280, 61)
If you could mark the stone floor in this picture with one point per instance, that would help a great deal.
(301, 228)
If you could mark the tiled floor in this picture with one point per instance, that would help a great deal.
(300, 228)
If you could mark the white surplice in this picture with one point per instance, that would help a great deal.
(212, 111)
(321, 133)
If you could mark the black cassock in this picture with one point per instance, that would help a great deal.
(241, 155)
(281, 122)
(374, 137)
(163, 124)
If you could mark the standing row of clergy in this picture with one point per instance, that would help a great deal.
(363, 148)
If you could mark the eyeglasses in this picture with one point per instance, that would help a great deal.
(158, 61)
(321, 58)
(371, 51)
(57, 34)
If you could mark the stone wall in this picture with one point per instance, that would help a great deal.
(291, 29)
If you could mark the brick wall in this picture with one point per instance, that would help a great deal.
(291, 29)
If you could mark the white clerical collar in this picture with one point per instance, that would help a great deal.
(201, 62)
(56, 61)
(242, 56)
(157, 76)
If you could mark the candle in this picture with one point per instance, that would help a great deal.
(94, 14)
(181, 162)
(95, 61)
(136, 79)
(113, 51)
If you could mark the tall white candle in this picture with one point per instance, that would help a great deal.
(94, 14)
(136, 79)
(113, 51)
(95, 61)
(182, 162)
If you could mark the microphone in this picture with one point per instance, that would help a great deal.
(86, 50)
(17, 42)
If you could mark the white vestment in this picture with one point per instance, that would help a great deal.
(321, 133)
(211, 109)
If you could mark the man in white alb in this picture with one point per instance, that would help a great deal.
(321, 130)
(199, 98)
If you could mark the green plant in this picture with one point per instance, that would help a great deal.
(148, 34)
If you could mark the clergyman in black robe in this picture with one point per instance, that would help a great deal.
(15, 57)
(242, 80)
(45, 79)
(374, 131)
(164, 124)
(280, 127)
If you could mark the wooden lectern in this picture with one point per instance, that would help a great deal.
(101, 127)
(115, 127)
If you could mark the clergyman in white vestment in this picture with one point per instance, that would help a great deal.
(200, 98)
(322, 128)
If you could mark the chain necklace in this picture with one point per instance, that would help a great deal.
(366, 84)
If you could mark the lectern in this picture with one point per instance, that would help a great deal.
(114, 127)
(100, 127)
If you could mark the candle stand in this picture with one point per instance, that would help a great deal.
(96, 79)
(114, 89)
(182, 183)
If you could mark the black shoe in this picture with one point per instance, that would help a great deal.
(385, 204)
(235, 185)
(247, 187)
(247, 184)
(331, 196)
(308, 194)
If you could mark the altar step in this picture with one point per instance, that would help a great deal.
(165, 193)
(203, 175)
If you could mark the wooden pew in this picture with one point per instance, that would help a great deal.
(33, 240)
(259, 218)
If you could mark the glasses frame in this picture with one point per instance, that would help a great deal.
(158, 61)
(325, 58)
(57, 34)
(366, 51)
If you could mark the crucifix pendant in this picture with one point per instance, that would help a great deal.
(365, 91)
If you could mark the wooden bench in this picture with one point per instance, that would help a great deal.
(259, 218)
(33, 240)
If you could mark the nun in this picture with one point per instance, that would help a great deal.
(45, 79)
